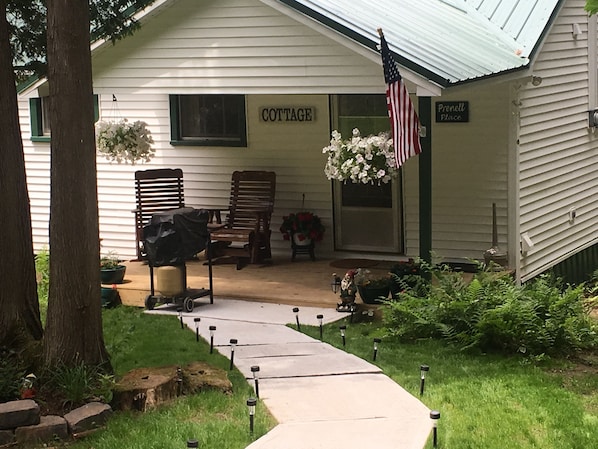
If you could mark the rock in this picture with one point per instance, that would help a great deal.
(7, 437)
(19, 413)
(49, 428)
(88, 417)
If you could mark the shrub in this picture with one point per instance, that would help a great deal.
(492, 313)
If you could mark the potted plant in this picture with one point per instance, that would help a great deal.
(111, 271)
(124, 141)
(372, 287)
(302, 227)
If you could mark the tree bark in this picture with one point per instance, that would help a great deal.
(18, 289)
(74, 323)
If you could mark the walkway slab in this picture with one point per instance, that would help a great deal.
(256, 312)
(341, 397)
(381, 433)
(299, 360)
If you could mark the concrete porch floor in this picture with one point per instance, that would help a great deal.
(301, 283)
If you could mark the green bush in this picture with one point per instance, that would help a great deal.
(492, 313)
(11, 373)
(79, 383)
(42, 270)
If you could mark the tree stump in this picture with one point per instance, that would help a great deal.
(145, 388)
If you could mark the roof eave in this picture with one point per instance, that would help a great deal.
(366, 42)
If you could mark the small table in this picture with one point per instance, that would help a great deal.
(297, 248)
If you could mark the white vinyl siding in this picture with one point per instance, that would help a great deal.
(469, 173)
(558, 152)
(231, 46)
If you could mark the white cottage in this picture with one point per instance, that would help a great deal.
(521, 74)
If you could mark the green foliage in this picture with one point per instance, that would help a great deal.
(492, 313)
(42, 270)
(591, 6)
(11, 373)
(110, 19)
(79, 383)
(109, 261)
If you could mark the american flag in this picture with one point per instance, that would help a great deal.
(403, 118)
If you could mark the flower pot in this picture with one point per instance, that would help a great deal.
(109, 296)
(372, 295)
(114, 275)
(301, 240)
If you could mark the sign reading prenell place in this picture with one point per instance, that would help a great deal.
(452, 111)
(285, 114)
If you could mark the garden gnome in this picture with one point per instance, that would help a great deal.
(27, 386)
(348, 292)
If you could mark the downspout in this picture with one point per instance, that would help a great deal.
(592, 64)
(425, 179)
(513, 195)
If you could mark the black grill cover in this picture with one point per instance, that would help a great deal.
(176, 235)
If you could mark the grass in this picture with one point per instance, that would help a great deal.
(486, 401)
(134, 340)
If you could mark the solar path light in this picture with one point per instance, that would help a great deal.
(435, 416)
(320, 318)
(212, 330)
(233, 342)
(296, 310)
(255, 370)
(423, 369)
(376, 342)
(180, 312)
(196, 321)
(251, 402)
(343, 330)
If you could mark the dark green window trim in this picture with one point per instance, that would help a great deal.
(36, 121)
(176, 139)
(35, 116)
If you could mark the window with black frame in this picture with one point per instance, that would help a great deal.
(208, 120)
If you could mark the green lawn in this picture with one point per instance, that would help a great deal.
(486, 401)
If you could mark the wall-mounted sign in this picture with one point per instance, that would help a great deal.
(452, 111)
(284, 114)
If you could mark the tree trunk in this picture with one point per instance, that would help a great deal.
(74, 324)
(18, 289)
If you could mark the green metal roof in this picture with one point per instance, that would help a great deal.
(447, 41)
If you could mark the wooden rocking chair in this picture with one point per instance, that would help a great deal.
(155, 191)
(246, 232)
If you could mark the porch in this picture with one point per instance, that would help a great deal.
(300, 283)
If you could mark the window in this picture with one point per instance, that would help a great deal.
(208, 120)
(39, 109)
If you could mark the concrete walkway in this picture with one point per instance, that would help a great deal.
(322, 397)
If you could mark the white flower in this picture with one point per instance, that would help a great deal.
(124, 142)
(360, 159)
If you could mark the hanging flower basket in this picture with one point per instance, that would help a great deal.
(123, 141)
(359, 159)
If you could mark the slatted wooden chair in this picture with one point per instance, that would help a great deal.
(155, 191)
(246, 232)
